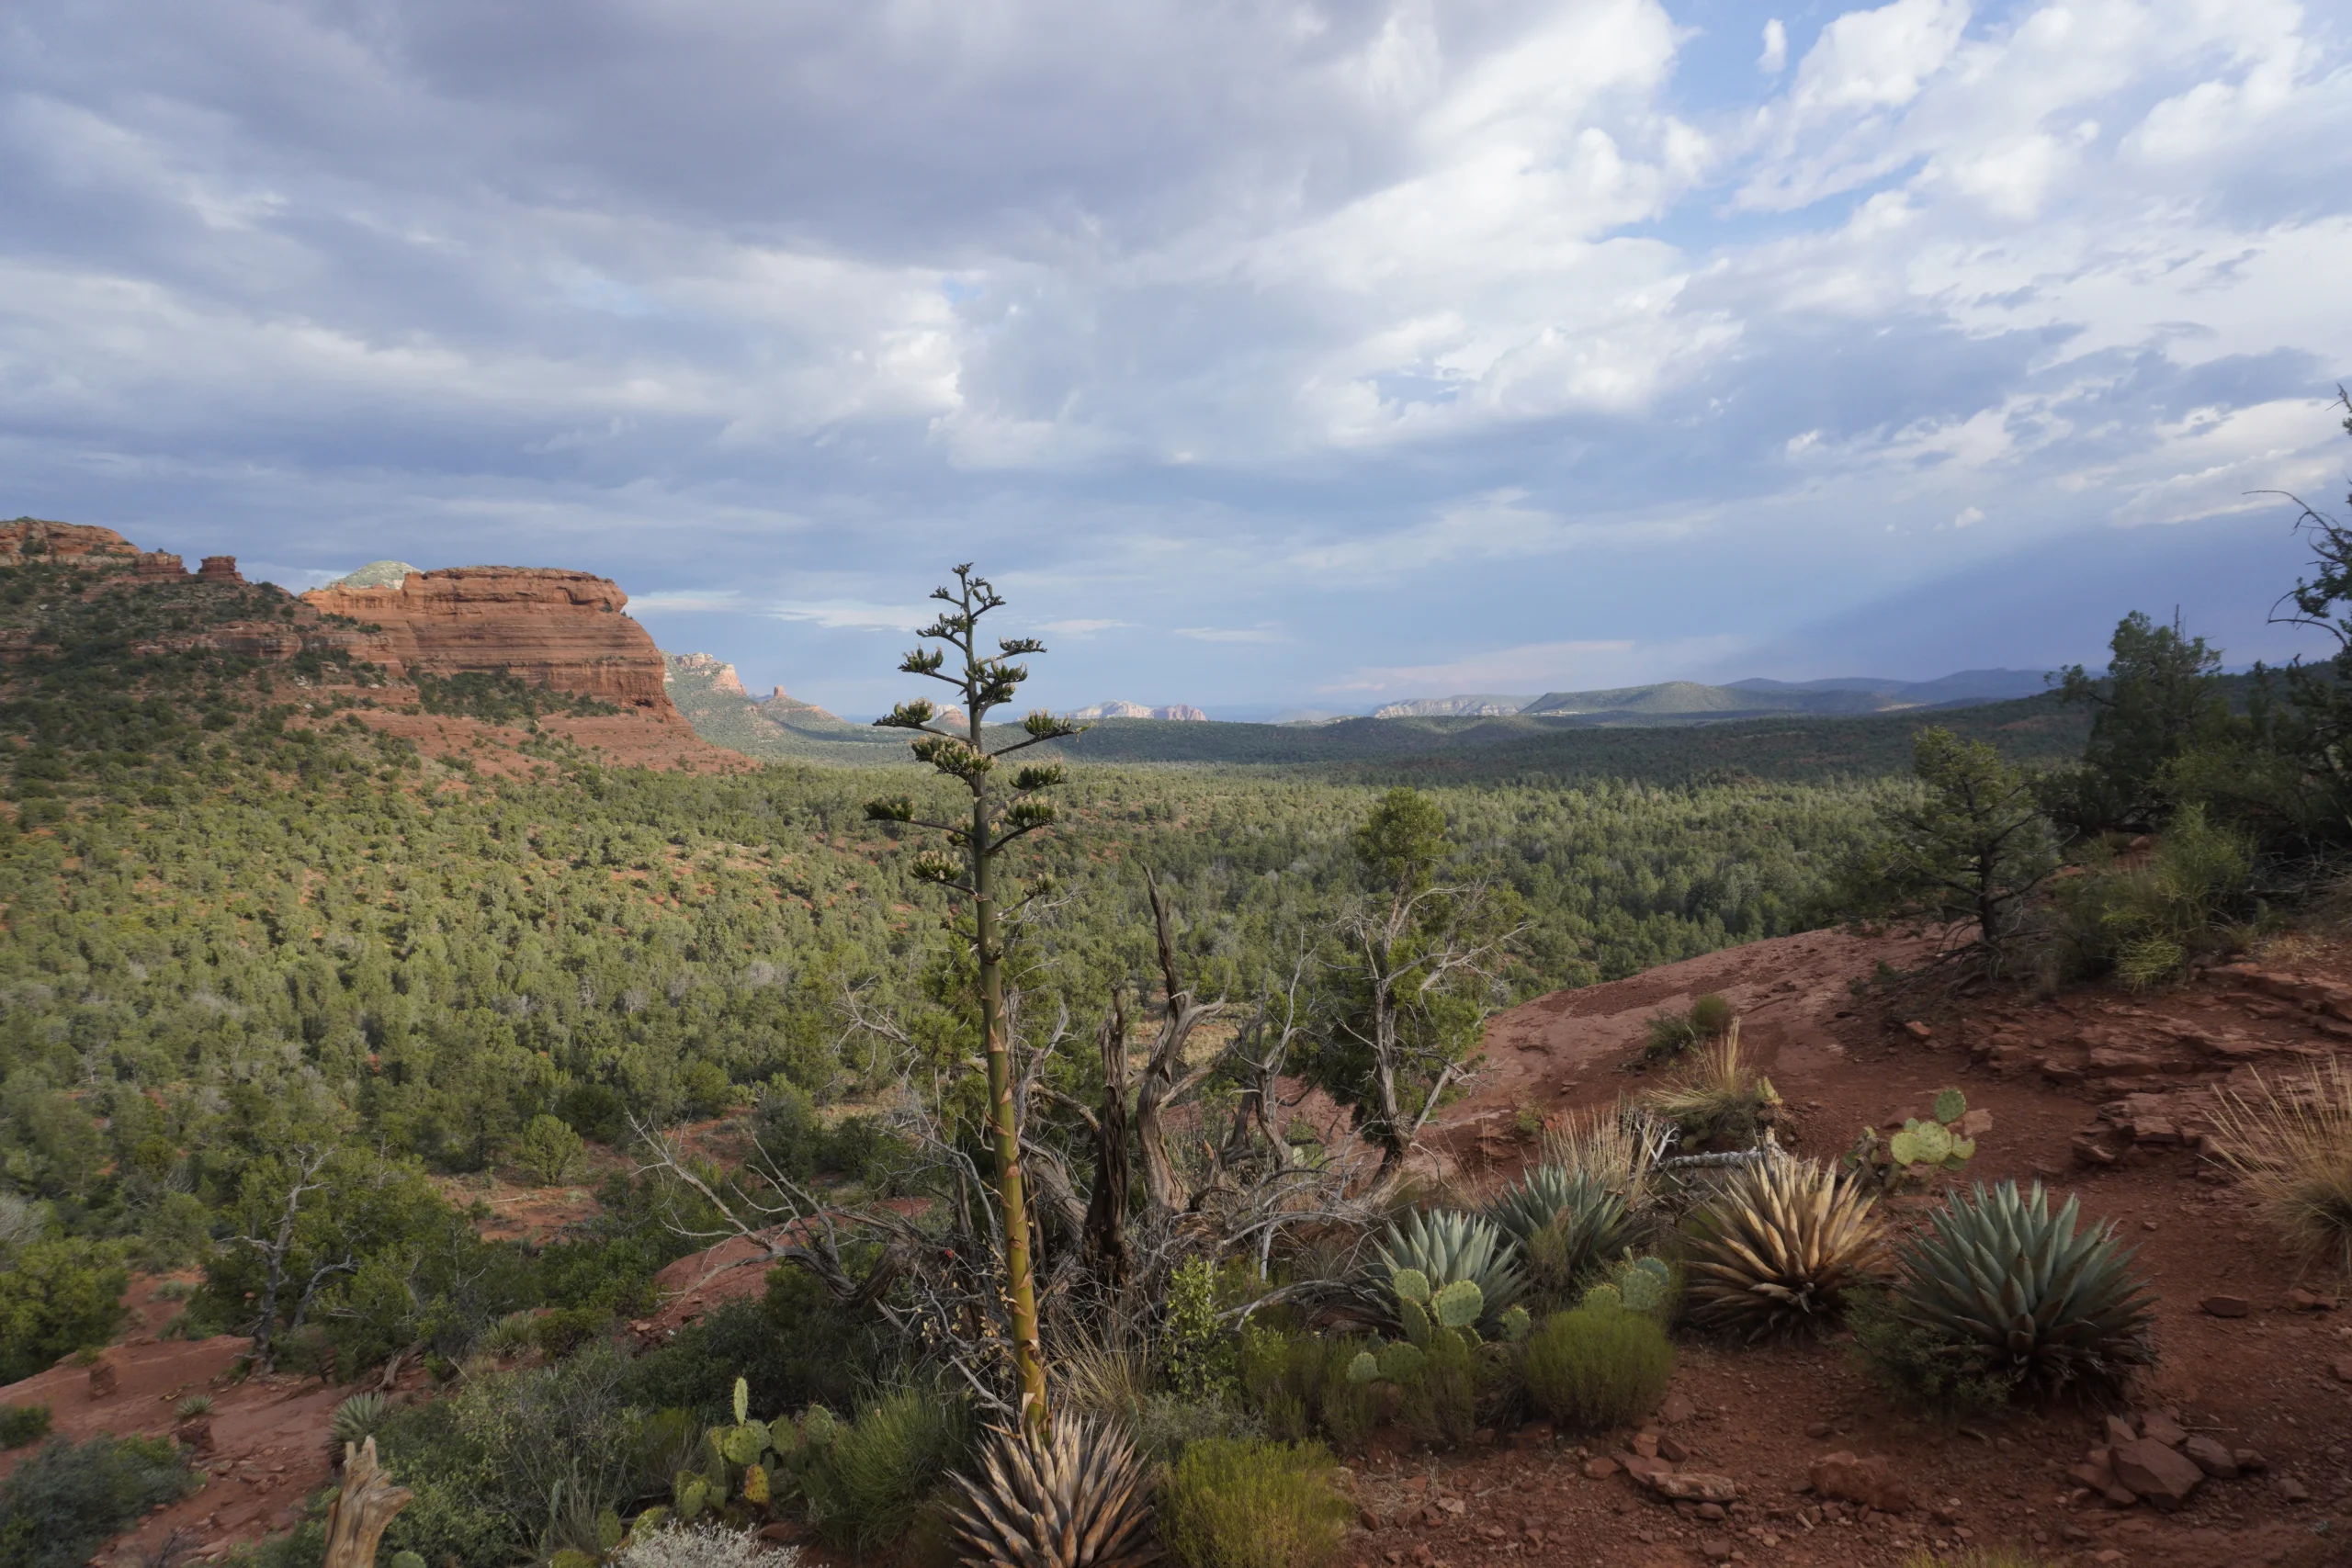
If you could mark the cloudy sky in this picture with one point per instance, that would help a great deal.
(1267, 353)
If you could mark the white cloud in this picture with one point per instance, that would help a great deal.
(1775, 58)
(1082, 628)
(1261, 632)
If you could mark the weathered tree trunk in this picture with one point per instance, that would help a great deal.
(357, 1517)
(1106, 1206)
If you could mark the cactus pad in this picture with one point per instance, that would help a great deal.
(1459, 1305)
(1364, 1369)
(1401, 1362)
(1950, 1106)
(1411, 1285)
(1516, 1324)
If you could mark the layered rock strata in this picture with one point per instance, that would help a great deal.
(544, 626)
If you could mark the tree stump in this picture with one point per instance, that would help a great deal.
(357, 1517)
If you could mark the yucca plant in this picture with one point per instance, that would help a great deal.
(1778, 1247)
(1445, 1245)
(1076, 1498)
(2019, 1293)
(2291, 1144)
(357, 1418)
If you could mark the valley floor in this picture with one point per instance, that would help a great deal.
(2093, 1092)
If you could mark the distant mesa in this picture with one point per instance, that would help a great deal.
(544, 626)
(1181, 712)
(376, 574)
(1477, 706)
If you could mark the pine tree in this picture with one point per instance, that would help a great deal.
(1001, 813)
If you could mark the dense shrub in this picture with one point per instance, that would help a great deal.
(57, 1504)
(701, 1546)
(794, 1346)
(864, 1488)
(55, 1297)
(1597, 1367)
(22, 1424)
(2146, 925)
(1298, 1385)
(548, 1150)
(1253, 1502)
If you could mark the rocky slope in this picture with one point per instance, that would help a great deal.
(363, 649)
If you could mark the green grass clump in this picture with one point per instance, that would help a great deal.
(1598, 1367)
(62, 1502)
(22, 1424)
(1253, 1502)
(867, 1486)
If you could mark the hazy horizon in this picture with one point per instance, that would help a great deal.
(1273, 355)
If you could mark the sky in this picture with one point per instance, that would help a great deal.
(1265, 355)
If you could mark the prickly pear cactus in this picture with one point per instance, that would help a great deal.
(1411, 1285)
(609, 1531)
(407, 1559)
(1604, 1295)
(1402, 1361)
(1950, 1106)
(1459, 1305)
(1516, 1326)
(1364, 1369)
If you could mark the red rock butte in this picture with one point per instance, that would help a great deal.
(541, 624)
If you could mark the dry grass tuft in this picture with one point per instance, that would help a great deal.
(1609, 1145)
(1718, 1098)
(2290, 1143)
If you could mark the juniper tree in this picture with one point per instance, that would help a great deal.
(1002, 812)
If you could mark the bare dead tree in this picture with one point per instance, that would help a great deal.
(1165, 1081)
(275, 1248)
(1409, 958)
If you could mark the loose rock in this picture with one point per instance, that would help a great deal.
(1864, 1481)
(2226, 1306)
(2156, 1473)
(2211, 1457)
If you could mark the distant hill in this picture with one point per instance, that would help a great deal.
(376, 574)
(1476, 705)
(1178, 711)
(1691, 702)
(775, 727)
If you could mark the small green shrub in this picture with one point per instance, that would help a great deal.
(1710, 1014)
(65, 1498)
(1199, 1351)
(865, 1486)
(2148, 924)
(559, 1333)
(1916, 1365)
(1253, 1502)
(1299, 1384)
(549, 1150)
(1597, 1367)
(22, 1424)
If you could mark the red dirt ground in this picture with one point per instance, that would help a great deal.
(2095, 1093)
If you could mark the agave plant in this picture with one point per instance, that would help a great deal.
(1077, 1499)
(1563, 1224)
(1779, 1246)
(357, 1418)
(1445, 1245)
(2022, 1293)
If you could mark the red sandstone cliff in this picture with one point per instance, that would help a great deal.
(547, 626)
